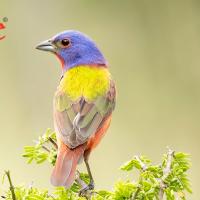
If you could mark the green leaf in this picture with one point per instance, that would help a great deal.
(130, 165)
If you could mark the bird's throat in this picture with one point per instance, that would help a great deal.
(61, 60)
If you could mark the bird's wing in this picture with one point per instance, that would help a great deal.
(77, 121)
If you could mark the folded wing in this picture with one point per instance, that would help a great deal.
(77, 121)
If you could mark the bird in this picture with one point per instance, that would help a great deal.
(83, 103)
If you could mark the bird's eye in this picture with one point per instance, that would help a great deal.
(65, 42)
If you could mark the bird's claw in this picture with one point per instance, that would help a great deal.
(86, 191)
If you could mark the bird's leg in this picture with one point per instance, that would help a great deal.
(90, 186)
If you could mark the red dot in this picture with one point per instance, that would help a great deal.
(2, 26)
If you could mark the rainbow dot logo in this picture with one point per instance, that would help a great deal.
(2, 27)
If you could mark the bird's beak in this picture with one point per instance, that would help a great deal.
(46, 46)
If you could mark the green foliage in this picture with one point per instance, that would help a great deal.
(43, 150)
(28, 194)
(170, 177)
(167, 180)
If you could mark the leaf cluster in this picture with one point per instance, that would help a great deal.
(44, 149)
(167, 180)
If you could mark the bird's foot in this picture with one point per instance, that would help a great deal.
(87, 191)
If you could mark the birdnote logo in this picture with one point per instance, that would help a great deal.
(3, 27)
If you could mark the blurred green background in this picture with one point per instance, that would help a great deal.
(153, 49)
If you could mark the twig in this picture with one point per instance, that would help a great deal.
(136, 193)
(79, 180)
(144, 167)
(12, 190)
(45, 148)
(53, 142)
(166, 172)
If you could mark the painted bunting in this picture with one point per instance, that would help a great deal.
(83, 103)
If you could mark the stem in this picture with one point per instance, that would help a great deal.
(12, 190)
(136, 193)
(45, 148)
(79, 180)
(161, 192)
(53, 142)
(166, 172)
(144, 167)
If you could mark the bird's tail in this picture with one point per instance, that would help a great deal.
(64, 171)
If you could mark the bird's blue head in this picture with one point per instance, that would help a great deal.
(74, 48)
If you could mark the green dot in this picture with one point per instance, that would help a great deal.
(5, 19)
